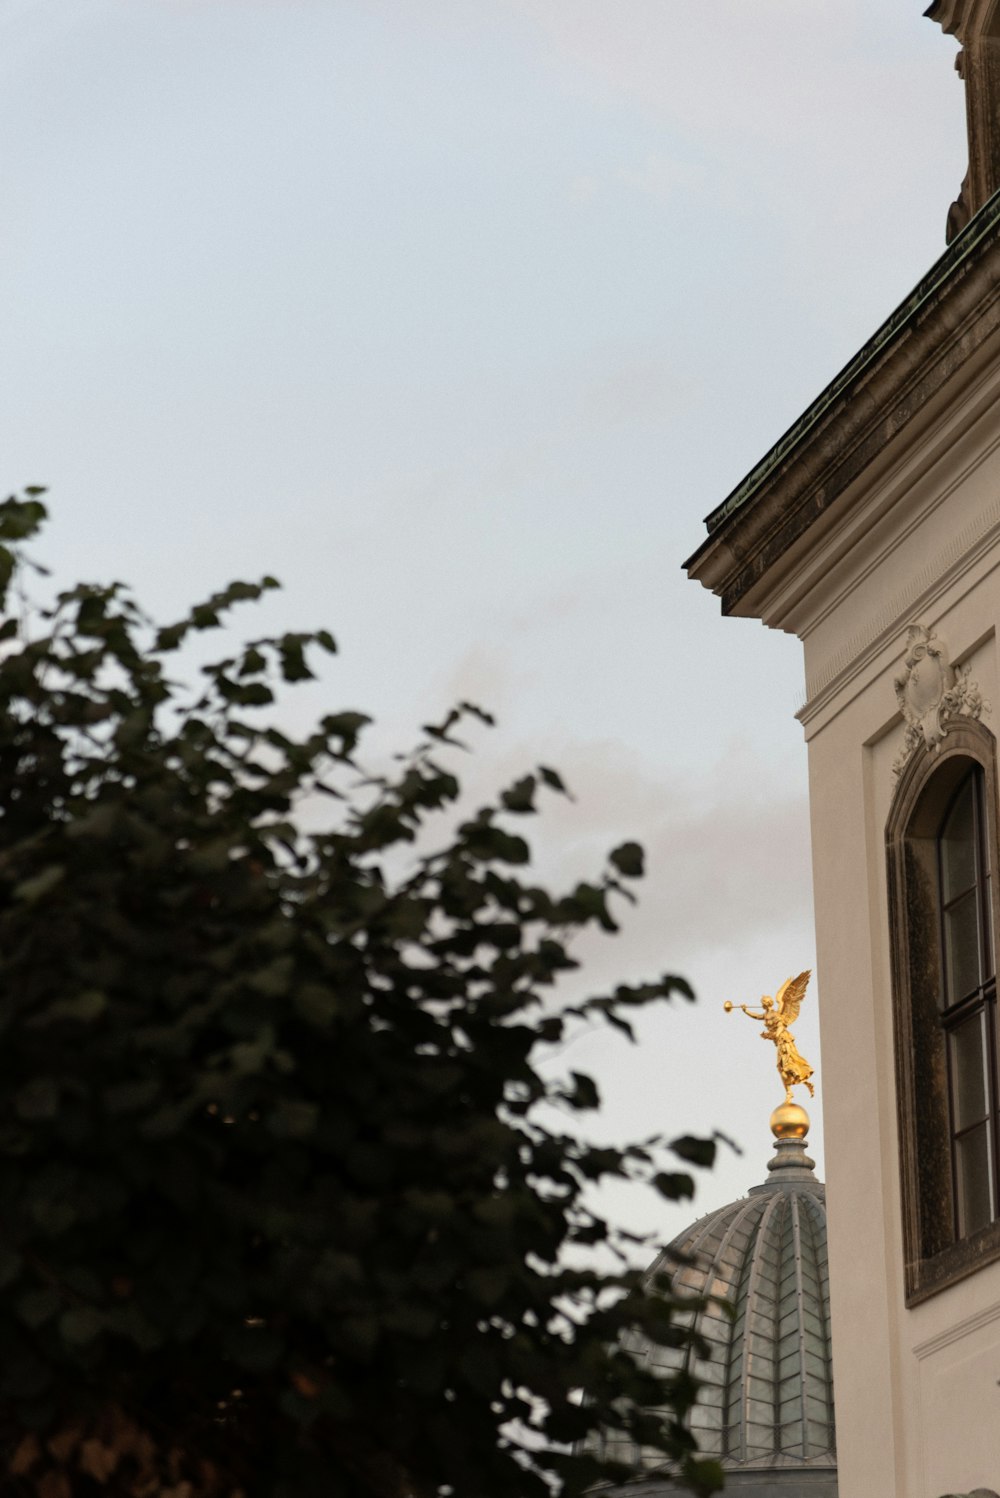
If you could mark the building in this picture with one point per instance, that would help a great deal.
(872, 531)
(765, 1410)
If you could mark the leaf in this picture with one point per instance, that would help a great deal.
(85, 1008)
(673, 1185)
(54, 1485)
(488, 1285)
(345, 725)
(28, 1452)
(37, 1100)
(478, 712)
(34, 889)
(35, 1307)
(480, 1367)
(255, 1349)
(705, 1477)
(131, 1097)
(292, 658)
(98, 1460)
(619, 1023)
(294, 1119)
(10, 1266)
(694, 1151)
(521, 796)
(415, 1320)
(589, 903)
(491, 844)
(628, 859)
(21, 519)
(585, 1094)
(81, 1324)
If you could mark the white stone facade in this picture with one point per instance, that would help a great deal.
(880, 512)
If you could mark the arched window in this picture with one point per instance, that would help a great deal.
(941, 843)
(968, 1003)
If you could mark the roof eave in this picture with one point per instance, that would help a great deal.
(953, 309)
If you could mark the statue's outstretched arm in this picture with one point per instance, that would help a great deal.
(753, 1013)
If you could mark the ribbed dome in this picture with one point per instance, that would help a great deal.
(766, 1406)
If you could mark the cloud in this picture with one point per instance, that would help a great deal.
(727, 849)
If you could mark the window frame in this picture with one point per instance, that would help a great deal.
(934, 1256)
(978, 1002)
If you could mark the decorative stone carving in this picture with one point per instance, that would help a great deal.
(930, 692)
(976, 26)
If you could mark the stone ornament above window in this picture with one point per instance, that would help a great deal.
(930, 692)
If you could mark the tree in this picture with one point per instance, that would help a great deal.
(283, 1208)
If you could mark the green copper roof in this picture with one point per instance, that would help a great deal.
(961, 248)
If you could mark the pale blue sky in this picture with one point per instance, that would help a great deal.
(459, 317)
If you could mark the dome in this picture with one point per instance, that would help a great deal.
(765, 1410)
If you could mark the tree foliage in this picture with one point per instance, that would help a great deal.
(284, 1211)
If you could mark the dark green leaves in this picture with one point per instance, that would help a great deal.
(488, 843)
(583, 1093)
(695, 1151)
(521, 796)
(285, 1209)
(20, 519)
(628, 860)
(37, 1099)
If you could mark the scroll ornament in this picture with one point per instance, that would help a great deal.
(930, 692)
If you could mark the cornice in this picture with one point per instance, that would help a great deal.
(953, 312)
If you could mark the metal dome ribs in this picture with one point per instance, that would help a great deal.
(766, 1404)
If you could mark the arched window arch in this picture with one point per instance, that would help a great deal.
(942, 856)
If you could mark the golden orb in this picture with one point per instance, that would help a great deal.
(727, 1006)
(789, 1121)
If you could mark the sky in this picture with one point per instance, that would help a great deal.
(459, 317)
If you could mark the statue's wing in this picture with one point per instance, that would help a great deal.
(788, 999)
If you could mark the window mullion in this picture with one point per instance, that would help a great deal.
(993, 1083)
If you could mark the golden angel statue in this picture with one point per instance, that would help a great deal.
(778, 1013)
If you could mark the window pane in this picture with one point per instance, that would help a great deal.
(974, 1186)
(958, 845)
(961, 947)
(988, 907)
(968, 1071)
